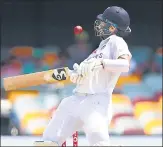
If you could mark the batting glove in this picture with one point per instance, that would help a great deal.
(87, 67)
(75, 77)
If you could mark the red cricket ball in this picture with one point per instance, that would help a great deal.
(78, 30)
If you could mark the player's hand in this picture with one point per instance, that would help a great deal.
(76, 78)
(87, 67)
(74, 75)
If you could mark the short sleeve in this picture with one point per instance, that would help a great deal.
(121, 48)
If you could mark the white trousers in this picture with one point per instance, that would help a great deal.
(91, 113)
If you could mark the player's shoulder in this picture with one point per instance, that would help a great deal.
(114, 39)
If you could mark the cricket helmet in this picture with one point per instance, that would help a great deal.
(114, 20)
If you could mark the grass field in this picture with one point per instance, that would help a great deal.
(124, 141)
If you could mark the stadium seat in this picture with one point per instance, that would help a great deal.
(160, 103)
(154, 81)
(50, 58)
(143, 107)
(25, 105)
(27, 110)
(28, 67)
(153, 127)
(158, 60)
(22, 51)
(142, 99)
(141, 54)
(38, 53)
(127, 125)
(121, 104)
(157, 95)
(14, 95)
(123, 121)
(136, 90)
(35, 122)
(127, 79)
(160, 98)
(149, 115)
(120, 98)
(121, 114)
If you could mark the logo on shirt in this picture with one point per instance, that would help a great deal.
(97, 56)
(102, 47)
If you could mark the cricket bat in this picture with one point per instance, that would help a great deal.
(37, 78)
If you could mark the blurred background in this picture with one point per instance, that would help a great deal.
(37, 36)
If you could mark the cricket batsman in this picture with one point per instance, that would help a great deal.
(90, 106)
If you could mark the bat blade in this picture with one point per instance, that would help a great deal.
(36, 79)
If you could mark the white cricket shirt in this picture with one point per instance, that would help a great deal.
(104, 81)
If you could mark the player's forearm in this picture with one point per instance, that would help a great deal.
(118, 65)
